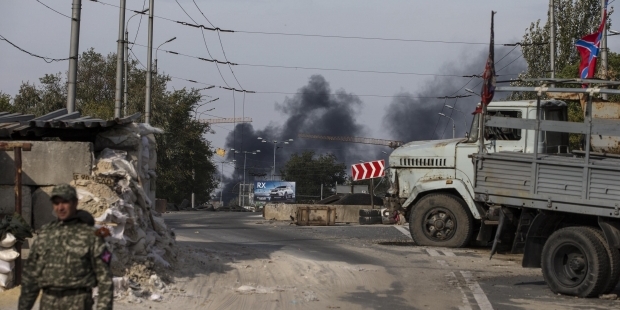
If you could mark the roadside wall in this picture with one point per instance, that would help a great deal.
(48, 163)
(284, 212)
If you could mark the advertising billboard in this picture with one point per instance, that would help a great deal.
(274, 191)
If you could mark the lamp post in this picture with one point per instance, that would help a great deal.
(455, 109)
(275, 147)
(245, 157)
(125, 72)
(157, 50)
(452, 123)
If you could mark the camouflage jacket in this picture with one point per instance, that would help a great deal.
(67, 255)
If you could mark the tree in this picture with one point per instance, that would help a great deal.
(5, 103)
(184, 164)
(309, 171)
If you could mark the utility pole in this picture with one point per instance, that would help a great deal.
(552, 38)
(193, 196)
(126, 80)
(149, 70)
(118, 96)
(73, 54)
(604, 46)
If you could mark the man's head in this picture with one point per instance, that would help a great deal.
(64, 200)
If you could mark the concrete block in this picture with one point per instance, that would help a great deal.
(279, 211)
(42, 207)
(7, 201)
(283, 212)
(48, 163)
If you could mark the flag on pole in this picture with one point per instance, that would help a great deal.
(488, 83)
(589, 47)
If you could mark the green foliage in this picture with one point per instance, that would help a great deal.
(309, 171)
(5, 103)
(181, 150)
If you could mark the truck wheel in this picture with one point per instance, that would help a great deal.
(440, 220)
(370, 212)
(614, 261)
(574, 262)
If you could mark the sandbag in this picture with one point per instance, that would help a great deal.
(6, 267)
(8, 241)
(6, 279)
(8, 254)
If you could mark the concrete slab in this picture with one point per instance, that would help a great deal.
(42, 207)
(284, 212)
(7, 201)
(48, 163)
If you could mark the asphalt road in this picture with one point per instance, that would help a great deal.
(418, 277)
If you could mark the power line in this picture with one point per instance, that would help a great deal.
(46, 59)
(213, 28)
(140, 23)
(308, 68)
(221, 44)
(205, 42)
(45, 5)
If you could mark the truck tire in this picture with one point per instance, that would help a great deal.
(440, 220)
(370, 212)
(369, 220)
(574, 262)
(614, 262)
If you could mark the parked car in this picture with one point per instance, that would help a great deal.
(282, 192)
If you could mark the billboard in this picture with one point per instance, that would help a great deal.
(274, 191)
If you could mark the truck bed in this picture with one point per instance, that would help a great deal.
(550, 182)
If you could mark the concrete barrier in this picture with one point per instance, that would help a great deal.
(48, 163)
(284, 212)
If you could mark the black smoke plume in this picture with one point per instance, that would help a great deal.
(316, 109)
(413, 116)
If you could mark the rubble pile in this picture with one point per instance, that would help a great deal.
(118, 195)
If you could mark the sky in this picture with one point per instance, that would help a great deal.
(38, 29)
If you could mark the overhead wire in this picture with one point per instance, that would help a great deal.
(140, 23)
(45, 5)
(46, 59)
(196, 25)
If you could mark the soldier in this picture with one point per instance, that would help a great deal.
(67, 260)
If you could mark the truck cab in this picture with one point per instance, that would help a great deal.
(432, 182)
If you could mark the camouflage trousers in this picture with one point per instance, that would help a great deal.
(59, 301)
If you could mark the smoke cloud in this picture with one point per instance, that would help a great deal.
(316, 109)
(413, 116)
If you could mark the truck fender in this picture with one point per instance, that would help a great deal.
(543, 225)
(437, 185)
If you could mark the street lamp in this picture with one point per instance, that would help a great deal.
(452, 122)
(275, 147)
(472, 92)
(157, 50)
(245, 157)
(126, 59)
(455, 109)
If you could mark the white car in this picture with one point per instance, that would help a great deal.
(282, 192)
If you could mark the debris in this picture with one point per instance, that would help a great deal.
(609, 296)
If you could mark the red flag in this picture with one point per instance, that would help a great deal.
(589, 47)
(488, 83)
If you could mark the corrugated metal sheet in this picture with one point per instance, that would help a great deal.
(15, 125)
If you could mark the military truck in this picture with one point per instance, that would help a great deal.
(521, 184)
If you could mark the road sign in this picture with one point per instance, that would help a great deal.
(369, 170)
